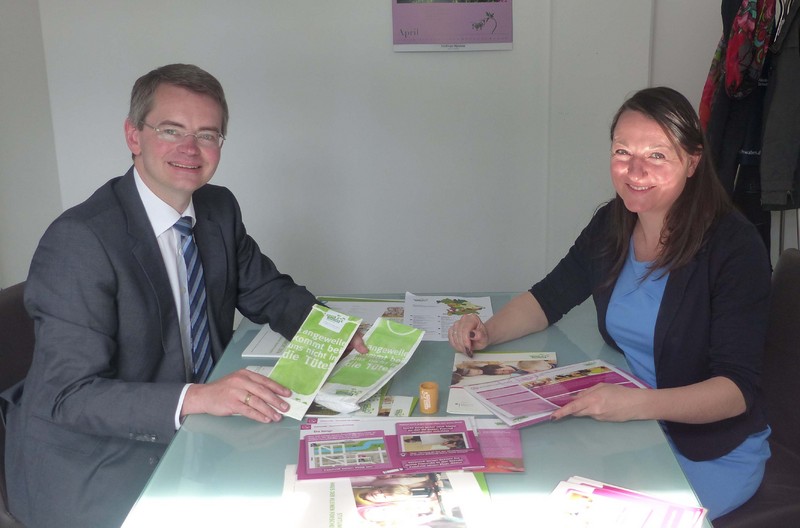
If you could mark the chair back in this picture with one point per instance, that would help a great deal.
(781, 373)
(16, 354)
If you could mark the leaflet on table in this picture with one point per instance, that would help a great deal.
(436, 314)
(442, 499)
(358, 376)
(334, 447)
(490, 366)
(532, 398)
(311, 355)
(270, 344)
(501, 446)
(579, 502)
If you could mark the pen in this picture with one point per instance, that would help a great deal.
(469, 347)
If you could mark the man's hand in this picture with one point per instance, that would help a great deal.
(357, 344)
(242, 392)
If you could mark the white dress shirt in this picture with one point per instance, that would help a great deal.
(163, 217)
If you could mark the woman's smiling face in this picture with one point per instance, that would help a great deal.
(648, 170)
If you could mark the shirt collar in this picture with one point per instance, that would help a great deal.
(161, 215)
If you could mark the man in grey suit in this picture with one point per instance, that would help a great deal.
(116, 365)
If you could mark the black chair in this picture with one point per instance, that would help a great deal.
(16, 353)
(777, 501)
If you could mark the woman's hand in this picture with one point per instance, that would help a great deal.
(468, 334)
(606, 402)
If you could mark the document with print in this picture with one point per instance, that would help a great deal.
(358, 376)
(351, 446)
(454, 499)
(485, 366)
(532, 398)
(311, 355)
(436, 313)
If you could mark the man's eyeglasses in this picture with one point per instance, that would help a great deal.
(176, 134)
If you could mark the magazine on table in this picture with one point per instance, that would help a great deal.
(490, 366)
(433, 499)
(579, 502)
(436, 313)
(532, 398)
(337, 447)
(358, 376)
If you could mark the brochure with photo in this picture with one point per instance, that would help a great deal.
(437, 499)
(490, 366)
(532, 398)
(336, 447)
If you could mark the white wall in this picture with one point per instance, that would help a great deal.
(363, 170)
(29, 192)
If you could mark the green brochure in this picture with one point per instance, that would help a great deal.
(311, 355)
(359, 376)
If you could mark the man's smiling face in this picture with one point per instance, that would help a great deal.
(173, 171)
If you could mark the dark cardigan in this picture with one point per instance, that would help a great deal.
(712, 320)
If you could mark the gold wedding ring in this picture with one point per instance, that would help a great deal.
(247, 399)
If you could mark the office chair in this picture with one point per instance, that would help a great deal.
(776, 501)
(16, 353)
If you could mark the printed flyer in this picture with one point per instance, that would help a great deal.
(337, 447)
(490, 366)
(311, 355)
(436, 313)
(532, 398)
(430, 499)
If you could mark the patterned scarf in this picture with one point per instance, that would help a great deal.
(740, 56)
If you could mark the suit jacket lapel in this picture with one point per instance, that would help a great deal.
(147, 253)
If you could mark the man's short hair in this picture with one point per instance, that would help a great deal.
(187, 76)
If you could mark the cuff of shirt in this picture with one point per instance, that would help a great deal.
(180, 406)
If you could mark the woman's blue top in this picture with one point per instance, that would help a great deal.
(631, 321)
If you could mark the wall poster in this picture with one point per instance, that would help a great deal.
(452, 25)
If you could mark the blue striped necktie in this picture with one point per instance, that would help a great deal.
(196, 292)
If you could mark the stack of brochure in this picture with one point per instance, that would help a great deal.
(532, 398)
(580, 502)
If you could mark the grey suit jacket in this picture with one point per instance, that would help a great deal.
(98, 405)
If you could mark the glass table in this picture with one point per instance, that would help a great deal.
(228, 471)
